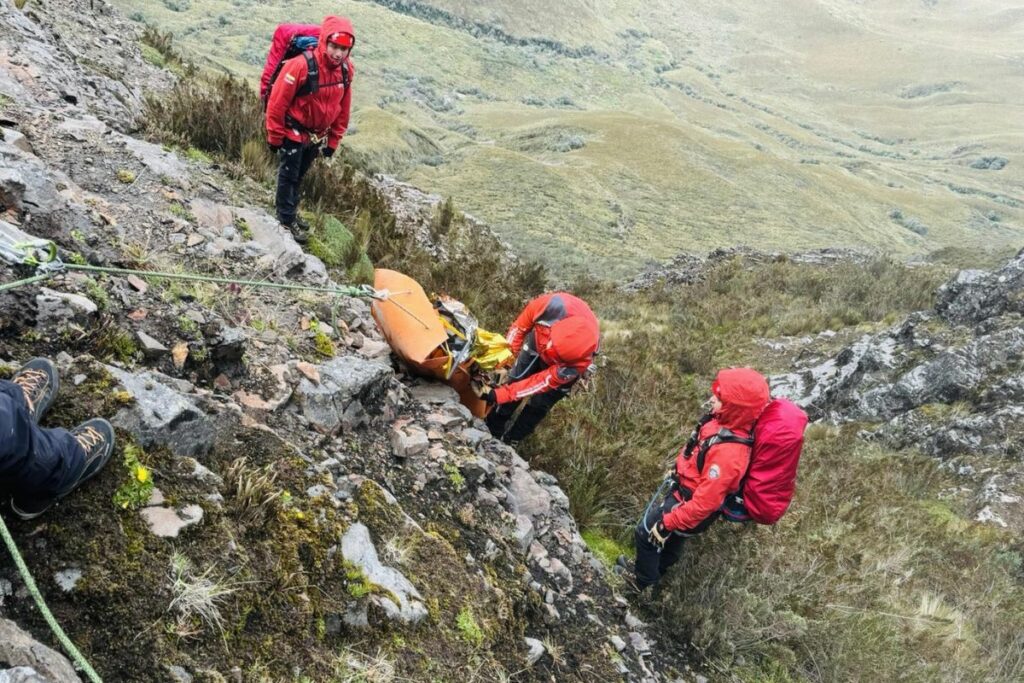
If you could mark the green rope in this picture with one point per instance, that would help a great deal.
(26, 281)
(30, 583)
(344, 291)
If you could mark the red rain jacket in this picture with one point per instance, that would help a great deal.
(283, 35)
(324, 112)
(566, 333)
(744, 395)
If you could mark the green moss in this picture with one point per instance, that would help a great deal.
(469, 629)
(323, 344)
(125, 176)
(455, 476)
(98, 295)
(607, 549)
(112, 341)
(151, 55)
(196, 154)
(181, 212)
(243, 228)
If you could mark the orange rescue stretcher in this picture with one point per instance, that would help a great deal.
(439, 340)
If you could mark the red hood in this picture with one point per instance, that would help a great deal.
(575, 339)
(332, 25)
(744, 395)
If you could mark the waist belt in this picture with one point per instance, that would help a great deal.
(315, 137)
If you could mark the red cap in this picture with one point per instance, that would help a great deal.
(342, 39)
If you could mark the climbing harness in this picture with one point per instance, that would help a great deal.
(69, 647)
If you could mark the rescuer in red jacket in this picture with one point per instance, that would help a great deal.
(554, 339)
(738, 397)
(304, 122)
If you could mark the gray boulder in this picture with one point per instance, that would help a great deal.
(351, 391)
(400, 600)
(31, 658)
(162, 416)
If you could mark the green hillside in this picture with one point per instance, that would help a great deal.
(604, 135)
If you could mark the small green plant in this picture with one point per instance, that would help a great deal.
(198, 155)
(455, 476)
(243, 228)
(114, 342)
(468, 628)
(357, 583)
(125, 176)
(77, 235)
(75, 257)
(182, 212)
(188, 326)
(323, 344)
(98, 295)
(136, 490)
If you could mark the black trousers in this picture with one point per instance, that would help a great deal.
(34, 462)
(651, 564)
(296, 158)
(537, 406)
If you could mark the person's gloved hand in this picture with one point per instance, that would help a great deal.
(659, 534)
(274, 149)
(488, 395)
(327, 152)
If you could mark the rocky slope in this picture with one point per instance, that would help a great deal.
(315, 514)
(949, 382)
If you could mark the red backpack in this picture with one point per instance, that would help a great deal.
(767, 488)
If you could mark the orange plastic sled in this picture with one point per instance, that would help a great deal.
(412, 327)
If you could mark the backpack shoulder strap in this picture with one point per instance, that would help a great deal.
(722, 436)
(312, 83)
(695, 437)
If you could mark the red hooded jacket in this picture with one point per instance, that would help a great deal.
(744, 395)
(566, 333)
(283, 35)
(324, 112)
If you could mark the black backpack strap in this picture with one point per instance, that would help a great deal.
(695, 437)
(722, 436)
(312, 83)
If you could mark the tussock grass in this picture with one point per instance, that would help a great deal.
(871, 575)
(662, 347)
(198, 596)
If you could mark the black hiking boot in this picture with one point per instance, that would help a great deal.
(39, 380)
(299, 233)
(632, 590)
(96, 437)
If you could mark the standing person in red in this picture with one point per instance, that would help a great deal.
(307, 113)
(738, 397)
(554, 339)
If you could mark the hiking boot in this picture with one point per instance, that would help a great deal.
(39, 380)
(299, 233)
(96, 437)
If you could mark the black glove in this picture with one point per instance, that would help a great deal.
(659, 534)
(488, 395)
(274, 148)
(327, 152)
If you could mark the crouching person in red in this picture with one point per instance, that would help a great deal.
(554, 340)
(708, 469)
